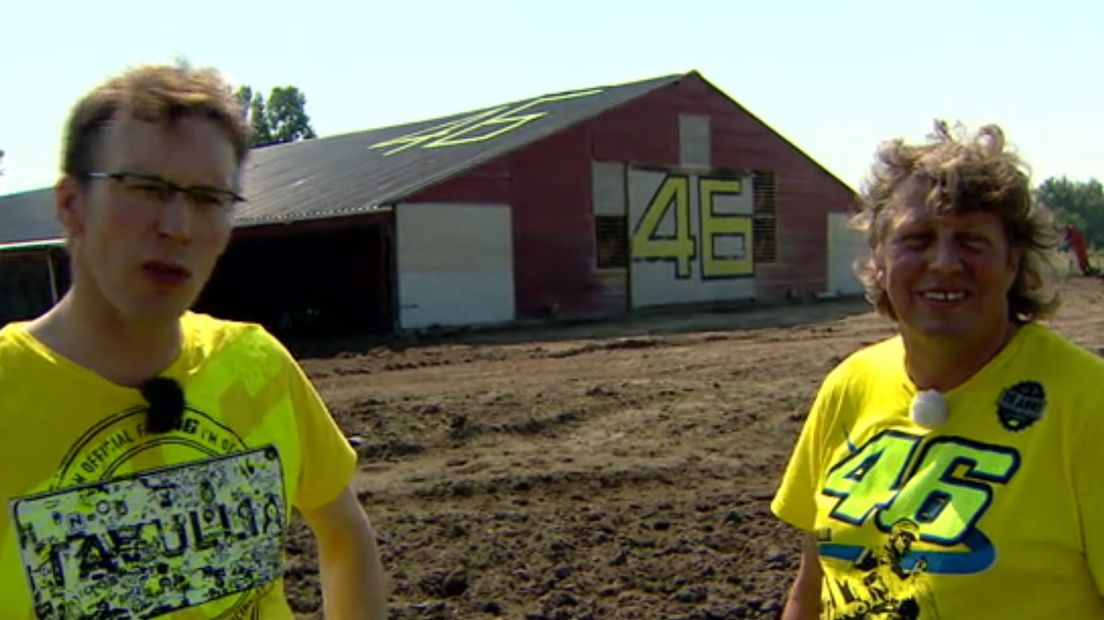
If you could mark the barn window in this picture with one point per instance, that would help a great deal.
(611, 232)
(764, 221)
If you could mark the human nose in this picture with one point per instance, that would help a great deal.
(175, 220)
(945, 254)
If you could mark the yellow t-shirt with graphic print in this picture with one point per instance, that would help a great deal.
(100, 514)
(999, 513)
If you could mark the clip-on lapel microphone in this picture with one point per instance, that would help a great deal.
(166, 403)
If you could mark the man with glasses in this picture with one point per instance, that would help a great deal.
(153, 455)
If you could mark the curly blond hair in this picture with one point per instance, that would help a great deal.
(156, 93)
(964, 174)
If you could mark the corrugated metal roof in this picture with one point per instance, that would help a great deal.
(366, 171)
(28, 217)
(359, 172)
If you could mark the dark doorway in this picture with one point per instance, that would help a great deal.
(327, 278)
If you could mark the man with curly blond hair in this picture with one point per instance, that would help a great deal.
(975, 425)
(153, 455)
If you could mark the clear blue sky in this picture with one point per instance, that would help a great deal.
(834, 77)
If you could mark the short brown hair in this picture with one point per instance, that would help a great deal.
(156, 93)
(962, 174)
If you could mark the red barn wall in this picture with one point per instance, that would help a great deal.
(548, 184)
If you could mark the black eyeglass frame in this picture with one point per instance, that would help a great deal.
(230, 197)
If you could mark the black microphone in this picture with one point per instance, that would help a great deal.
(166, 403)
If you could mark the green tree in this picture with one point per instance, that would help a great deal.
(282, 118)
(1076, 203)
(287, 115)
(244, 95)
(253, 113)
(260, 130)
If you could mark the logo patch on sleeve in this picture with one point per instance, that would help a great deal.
(157, 541)
(1021, 405)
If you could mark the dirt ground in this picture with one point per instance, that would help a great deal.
(609, 470)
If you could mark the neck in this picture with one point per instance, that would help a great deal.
(97, 337)
(941, 365)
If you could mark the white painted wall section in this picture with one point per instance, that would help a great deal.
(455, 264)
(845, 246)
(694, 143)
(608, 188)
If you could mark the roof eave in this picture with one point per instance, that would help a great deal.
(38, 244)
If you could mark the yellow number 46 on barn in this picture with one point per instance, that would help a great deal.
(723, 242)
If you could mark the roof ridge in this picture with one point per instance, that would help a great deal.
(472, 112)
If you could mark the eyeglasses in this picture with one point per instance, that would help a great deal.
(154, 188)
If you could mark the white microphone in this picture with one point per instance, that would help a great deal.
(930, 409)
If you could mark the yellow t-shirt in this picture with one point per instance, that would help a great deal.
(101, 515)
(999, 513)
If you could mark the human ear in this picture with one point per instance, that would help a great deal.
(69, 206)
(877, 261)
(1015, 262)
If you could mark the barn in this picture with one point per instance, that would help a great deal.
(589, 203)
(34, 269)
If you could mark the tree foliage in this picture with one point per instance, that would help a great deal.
(244, 95)
(260, 133)
(1076, 203)
(287, 115)
(279, 119)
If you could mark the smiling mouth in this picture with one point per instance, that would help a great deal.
(943, 295)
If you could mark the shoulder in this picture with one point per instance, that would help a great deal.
(1067, 378)
(14, 341)
(869, 362)
(860, 377)
(215, 331)
(9, 333)
(1050, 352)
(208, 337)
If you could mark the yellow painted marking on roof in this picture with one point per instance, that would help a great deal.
(494, 122)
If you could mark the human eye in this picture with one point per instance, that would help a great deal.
(914, 239)
(148, 187)
(205, 198)
(975, 241)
